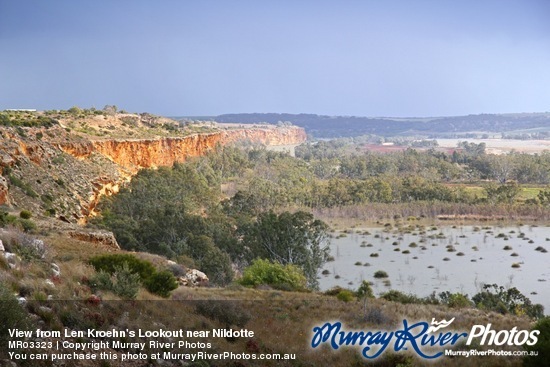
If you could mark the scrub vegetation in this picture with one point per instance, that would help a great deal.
(255, 221)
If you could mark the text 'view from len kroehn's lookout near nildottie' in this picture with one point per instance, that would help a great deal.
(273, 239)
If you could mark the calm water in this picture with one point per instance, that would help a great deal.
(479, 257)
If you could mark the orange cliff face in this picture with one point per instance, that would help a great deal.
(72, 172)
(134, 154)
(130, 155)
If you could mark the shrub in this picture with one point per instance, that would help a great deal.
(4, 265)
(101, 280)
(333, 291)
(397, 296)
(380, 274)
(123, 268)
(455, 300)
(161, 283)
(26, 246)
(27, 189)
(25, 214)
(123, 282)
(345, 295)
(364, 290)
(6, 219)
(273, 274)
(542, 347)
(111, 262)
(376, 316)
(27, 225)
(497, 298)
(12, 315)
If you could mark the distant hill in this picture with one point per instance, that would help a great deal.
(347, 126)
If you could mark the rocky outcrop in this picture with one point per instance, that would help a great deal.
(4, 198)
(102, 238)
(70, 171)
(102, 186)
(134, 154)
(79, 150)
(193, 278)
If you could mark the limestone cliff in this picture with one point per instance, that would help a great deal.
(134, 154)
(64, 174)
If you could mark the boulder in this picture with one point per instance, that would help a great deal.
(193, 278)
(55, 270)
(99, 237)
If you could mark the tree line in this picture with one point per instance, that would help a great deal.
(235, 205)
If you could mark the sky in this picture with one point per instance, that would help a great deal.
(398, 58)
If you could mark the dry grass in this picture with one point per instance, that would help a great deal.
(282, 321)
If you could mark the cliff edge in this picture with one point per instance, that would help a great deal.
(61, 170)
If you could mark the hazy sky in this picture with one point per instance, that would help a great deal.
(367, 58)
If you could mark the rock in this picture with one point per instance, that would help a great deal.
(12, 259)
(55, 270)
(4, 198)
(21, 300)
(193, 278)
(45, 309)
(2, 249)
(63, 219)
(49, 283)
(39, 246)
(6, 160)
(102, 238)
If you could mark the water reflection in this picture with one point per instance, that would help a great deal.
(421, 260)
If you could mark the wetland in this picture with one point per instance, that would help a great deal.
(457, 258)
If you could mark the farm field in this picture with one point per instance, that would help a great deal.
(502, 146)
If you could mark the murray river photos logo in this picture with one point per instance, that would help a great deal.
(426, 340)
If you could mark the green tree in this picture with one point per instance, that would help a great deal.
(75, 110)
(505, 193)
(210, 259)
(544, 196)
(497, 298)
(364, 292)
(289, 238)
